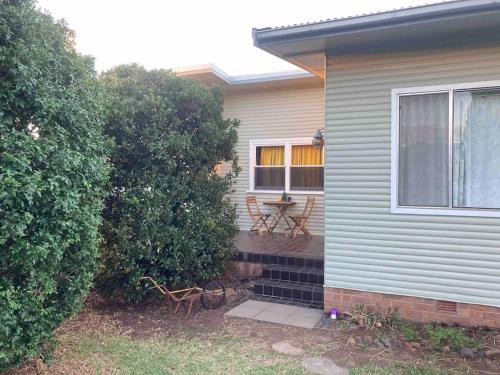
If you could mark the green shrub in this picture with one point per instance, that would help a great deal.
(168, 216)
(409, 331)
(52, 172)
(455, 337)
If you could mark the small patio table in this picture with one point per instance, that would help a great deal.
(281, 207)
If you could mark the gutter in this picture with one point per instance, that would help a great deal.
(241, 79)
(455, 8)
(258, 78)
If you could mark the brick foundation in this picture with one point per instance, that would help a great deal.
(415, 308)
(247, 270)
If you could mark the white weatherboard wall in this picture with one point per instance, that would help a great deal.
(275, 114)
(367, 247)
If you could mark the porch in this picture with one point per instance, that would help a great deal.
(255, 247)
(288, 270)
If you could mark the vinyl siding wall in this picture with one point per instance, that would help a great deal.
(275, 114)
(367, 247)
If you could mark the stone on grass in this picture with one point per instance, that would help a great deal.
(287, 348)
(323, 366)
(492, 354)
(467, 353)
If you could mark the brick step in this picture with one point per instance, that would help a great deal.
(308, 275)
(282, 260)
(307, 293)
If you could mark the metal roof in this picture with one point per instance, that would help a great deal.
(354, 16)
(444, 23)
(213, 70)
(210, 74)
(365, 21)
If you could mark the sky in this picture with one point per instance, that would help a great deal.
(175, 33)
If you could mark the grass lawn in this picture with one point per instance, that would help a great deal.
(219, 354)
(161, 355)
(125, 339)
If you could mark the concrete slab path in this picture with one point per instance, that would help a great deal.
(277, 313)
(323, 366)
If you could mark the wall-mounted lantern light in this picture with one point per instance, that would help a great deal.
(318, 138)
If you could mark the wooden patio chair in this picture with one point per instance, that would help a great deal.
(188, 295)
(258, 218)
(300, 221)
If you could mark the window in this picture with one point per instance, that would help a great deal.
(445, 151)
(286, 165)
(270, 168)
(306, 171)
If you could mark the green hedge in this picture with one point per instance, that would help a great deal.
(168, 216)
(52, 173)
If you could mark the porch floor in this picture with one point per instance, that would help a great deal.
(278, 244)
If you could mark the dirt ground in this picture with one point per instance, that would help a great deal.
(154, 318)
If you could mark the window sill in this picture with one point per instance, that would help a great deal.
(445, 212)
(288, 192)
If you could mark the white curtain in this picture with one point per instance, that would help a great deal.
(476, 149)
(423, 150)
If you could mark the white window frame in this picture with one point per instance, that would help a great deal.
(396, 93)
(287, 143)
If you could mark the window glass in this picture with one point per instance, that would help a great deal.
(270, 169)
(270, 155)
(306, 155)
(270, 178)
(476, 149)
(303, 165)
(423, 150)
(306, 178)
(306, 172)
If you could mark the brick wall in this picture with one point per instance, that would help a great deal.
(246, 270)
(414, 308)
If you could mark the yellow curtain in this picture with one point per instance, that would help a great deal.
(307, 155)
(271, 155)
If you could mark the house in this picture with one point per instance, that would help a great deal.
(412, 156)
(279, 113)
(411, 159)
